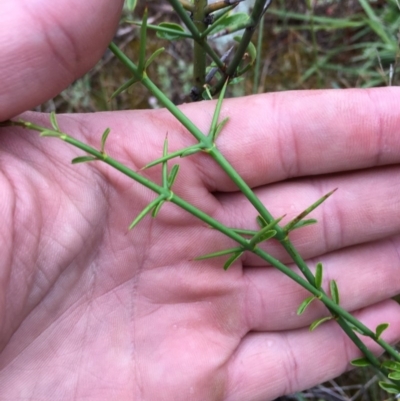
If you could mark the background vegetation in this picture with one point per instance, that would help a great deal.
(306, 44)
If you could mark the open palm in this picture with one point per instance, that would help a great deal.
(92, 311)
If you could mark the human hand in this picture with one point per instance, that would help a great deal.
(91, 311)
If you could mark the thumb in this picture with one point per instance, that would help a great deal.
(46, 45)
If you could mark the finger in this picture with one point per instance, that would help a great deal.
(266, 366)
(47, 45)
(364, 208)
(365, 275)
(276, 136)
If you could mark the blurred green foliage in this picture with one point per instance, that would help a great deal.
(306, 44)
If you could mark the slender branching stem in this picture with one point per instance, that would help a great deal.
(199, 53)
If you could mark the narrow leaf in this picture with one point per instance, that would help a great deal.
(236, 80)
(389, 387)
(244, 232)
(266, 232)
(54, 123)
(392, 365)
(265, 236)
(172, 175)
(261, 222)
(219, 253)
(304, 223)
(123, 87)
(157, 208)
(83, 159)
(51, 133)
(394, 375)
(232, 260)
(104, 139)
(318, 322)
(303, 214)
(318, 275)
(172, 32)
(207, 94)
(380, 329)
(153, 57)
(143, 40)
(162, 159)
(334, 292)
(145, 211)
(219, 128)
(217, 111)
(131, 4)
(360, 363)
(251, 50)
(228, 22)
(191, 151)
(164, 164)
(304, 305)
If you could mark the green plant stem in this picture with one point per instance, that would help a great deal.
(187, 5)
(255, 201)
(166, 193)
(257, 67)
(255, 16)
(195, 33)
(199, 53)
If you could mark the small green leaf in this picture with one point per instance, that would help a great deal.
(236, 80)
(304, 305)
(360, 362)
(153, 56)
(191, 151)
(217, 111)
(124, 87)
(157, 208)
(394, 375)
(232, 260)
(318, 275)
(380, 329)
(307, 211)
(265, 236)
(266, 232)
(51, 133)
(172, 175)
(165, 163)
(392, 365)
(229, 23)
(131, 5)
(304, 223)
(219, 253)
(389, 387)
(251, 50)
(219, 128)
(83, 159)
(54, 123)
(261, 222)
(318, 322)
(175, 31)
(104, 139)
(334, 292)
(206, 93)
(146, 210)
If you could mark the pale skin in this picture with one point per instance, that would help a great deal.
(91, 311)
